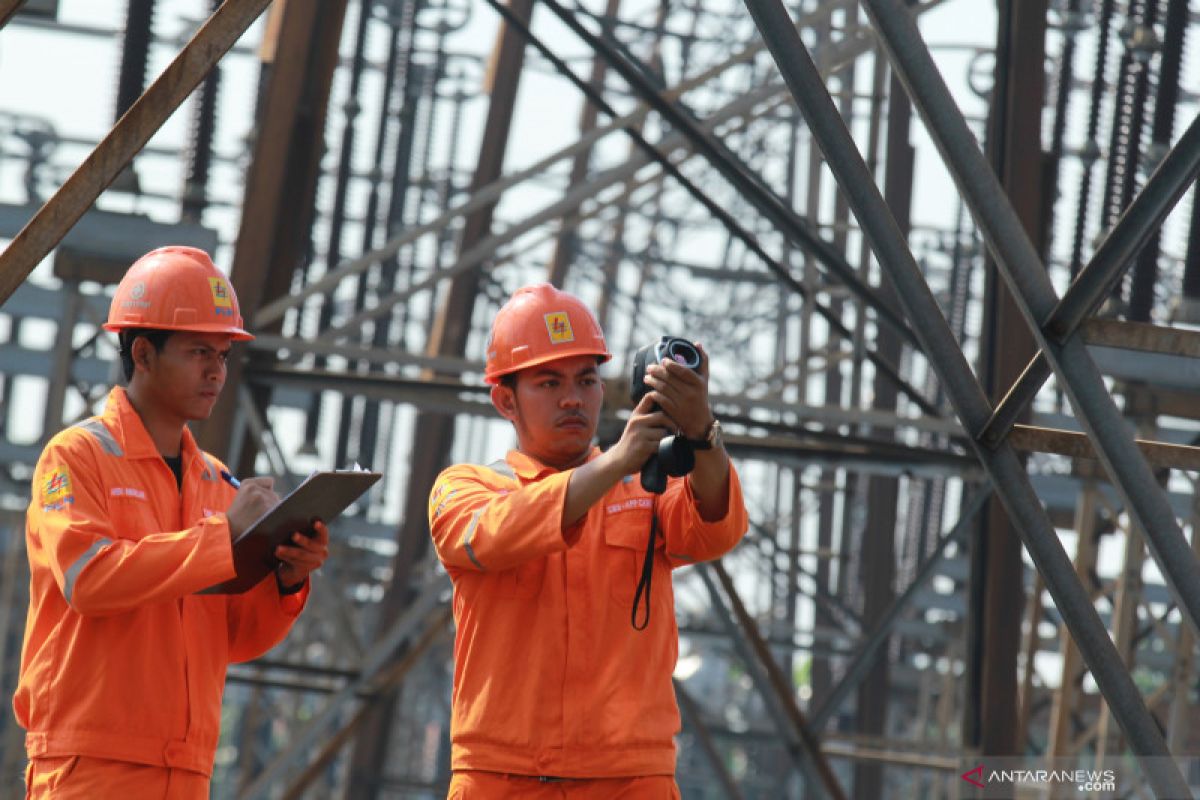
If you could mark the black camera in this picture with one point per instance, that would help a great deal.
(675, 456)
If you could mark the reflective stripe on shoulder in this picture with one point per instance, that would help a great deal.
(211, 473)
(73, 571)
(470, 534)
(503, 468)
(108, 442)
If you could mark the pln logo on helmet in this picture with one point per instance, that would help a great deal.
(558, 325)
(222, 298)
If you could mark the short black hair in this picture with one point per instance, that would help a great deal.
(157, 338)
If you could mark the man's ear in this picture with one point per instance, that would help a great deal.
(505, 402)
(141, 351)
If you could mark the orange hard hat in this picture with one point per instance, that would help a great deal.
(176, 288)
(538, 324)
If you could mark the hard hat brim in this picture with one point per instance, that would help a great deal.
(493, 378)
(238, 334)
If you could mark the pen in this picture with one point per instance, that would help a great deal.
(232, 481)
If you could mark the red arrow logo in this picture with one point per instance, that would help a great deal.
(966, 776)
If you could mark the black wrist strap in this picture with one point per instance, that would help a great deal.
(644, 582)
(284, 591)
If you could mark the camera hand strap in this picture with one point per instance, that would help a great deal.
(647, 575)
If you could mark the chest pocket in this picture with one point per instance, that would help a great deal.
(523, 582)
(625, 537)
(132, 516)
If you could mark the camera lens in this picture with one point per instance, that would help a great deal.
(682, 351)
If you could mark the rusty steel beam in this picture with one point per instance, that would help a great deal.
(781, 684)
(300, 54)
(52, 221)
(8, 9)
(1078, 445)
(1141, 336)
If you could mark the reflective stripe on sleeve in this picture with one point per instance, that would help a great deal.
(502, 467)
(467, 540)
(108, 442)
(73, 571)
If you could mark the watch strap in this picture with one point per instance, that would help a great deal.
(710, 437)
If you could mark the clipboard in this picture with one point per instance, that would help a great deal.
(322, 495)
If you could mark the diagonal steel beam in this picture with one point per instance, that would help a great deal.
(143, 119)
(1008, 474)
(690, 710)
(802, 747)
(769, 204)
(8, 9)
(1112, 259)
(859, 665)
(1024, 273)
(727, 219)
(418, 617)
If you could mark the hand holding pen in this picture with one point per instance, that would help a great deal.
(255, 497)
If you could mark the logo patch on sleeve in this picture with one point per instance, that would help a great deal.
(56, 489)
(558, 324)
(222, 300)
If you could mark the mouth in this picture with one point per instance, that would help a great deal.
(573, 423)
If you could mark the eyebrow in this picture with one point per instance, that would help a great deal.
(547, 372)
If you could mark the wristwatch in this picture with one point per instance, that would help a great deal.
(712, 438)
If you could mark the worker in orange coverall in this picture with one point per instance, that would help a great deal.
(123, 663)
(556, 693)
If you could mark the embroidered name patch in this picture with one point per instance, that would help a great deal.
(629, 505)
(558, 324)
(118, 491)
(56, 489)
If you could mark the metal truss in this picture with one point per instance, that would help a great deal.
(742, 173)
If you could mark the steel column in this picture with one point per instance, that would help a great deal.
(434, 432)
(997, 596)
(1062, 732)
(274, 235)
(1008, 474)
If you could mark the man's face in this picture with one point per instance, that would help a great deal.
(184, 379)
(555, 408)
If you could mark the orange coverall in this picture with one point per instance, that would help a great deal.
(122, 661)
(550, 678)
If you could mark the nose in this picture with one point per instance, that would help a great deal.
(572, 398)
(215, 369)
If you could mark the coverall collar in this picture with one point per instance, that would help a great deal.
(529, 468)
(132, 435)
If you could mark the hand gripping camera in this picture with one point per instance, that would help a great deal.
(675, 455)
